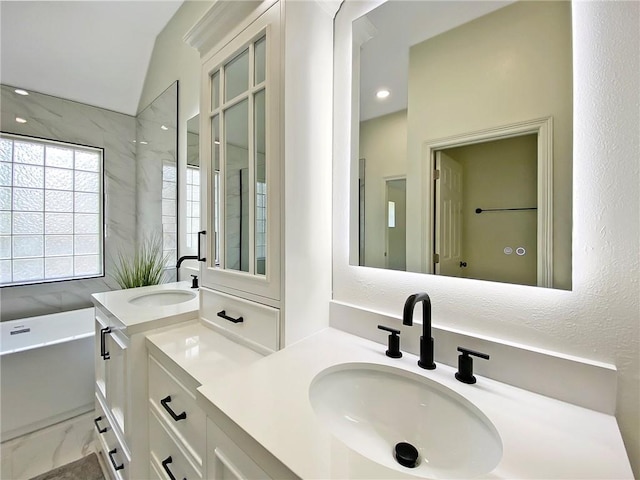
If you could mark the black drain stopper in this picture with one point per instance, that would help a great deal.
(406, 455)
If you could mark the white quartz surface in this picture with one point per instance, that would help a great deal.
(542, 437)
(137, 318)
(200, 352)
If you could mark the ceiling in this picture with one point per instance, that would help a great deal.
(394, 27)
(94, 52)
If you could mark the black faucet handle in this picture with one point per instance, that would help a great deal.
(194, 281)
(465, 365)
(473, 352)
(394, 342)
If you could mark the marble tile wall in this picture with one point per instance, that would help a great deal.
(58, 119)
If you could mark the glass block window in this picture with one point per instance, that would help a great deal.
(51, 211)
(193, 208)
(169, 213)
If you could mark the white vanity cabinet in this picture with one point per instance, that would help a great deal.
(121, 372)
(265, 150)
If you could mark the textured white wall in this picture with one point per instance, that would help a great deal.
(600, 318)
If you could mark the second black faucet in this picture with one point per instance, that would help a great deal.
(426, 340)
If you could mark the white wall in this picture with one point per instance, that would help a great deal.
(172, 60)
(600, 318)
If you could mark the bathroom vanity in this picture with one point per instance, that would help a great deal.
(122, 318)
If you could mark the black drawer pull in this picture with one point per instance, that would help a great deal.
(165, 465)
(164, 402)
(113, 462)
(223, 314)
(103, 344)
(95, 422)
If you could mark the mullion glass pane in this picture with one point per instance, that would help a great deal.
(215, 90)
(261, 183)
(236, 127)
(236, 76)
(260, 60)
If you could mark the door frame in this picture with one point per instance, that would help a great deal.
(543, 128)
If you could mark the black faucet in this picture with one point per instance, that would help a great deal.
(426, 340)
(186, 257)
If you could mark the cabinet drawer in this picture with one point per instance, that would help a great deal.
(176, 406)
(167, 455)
(260, 325)
(114, 455)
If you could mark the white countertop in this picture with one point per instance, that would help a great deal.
(137, 318)
(200, 352)
(542, 438)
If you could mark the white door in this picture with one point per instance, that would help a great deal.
(396, 225)
(448, 213)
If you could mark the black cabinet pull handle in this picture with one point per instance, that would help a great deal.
(200, 258)
(223, 314)
(165, 403)
(165, 465)
(113, 462)
(95, 422)
(103, 344)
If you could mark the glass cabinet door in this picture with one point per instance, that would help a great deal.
(241, 86)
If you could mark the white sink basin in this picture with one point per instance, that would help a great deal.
(371, 408)
(162, 298)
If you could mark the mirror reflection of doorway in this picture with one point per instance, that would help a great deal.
(499, 243)
(396, 224)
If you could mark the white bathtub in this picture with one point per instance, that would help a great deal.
(46, 370)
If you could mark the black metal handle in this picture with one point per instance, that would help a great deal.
(223, 314)
(95, 422)
(103, 344)
(463, 264)
(165, 465)
(200, 258)
(113, 462)
(389, 329)
(165, 403)
(473, 352)
(393, 350)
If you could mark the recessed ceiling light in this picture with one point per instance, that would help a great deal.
(164, 127)
(144, 143)
(20, 91)
(383, 93)
(20, 120)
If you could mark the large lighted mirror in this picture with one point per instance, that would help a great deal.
(463, 156)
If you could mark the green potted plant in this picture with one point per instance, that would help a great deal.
(146, 267)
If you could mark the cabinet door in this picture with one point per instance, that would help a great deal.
(101, 329)
(116, 377)
(227, 461)
(240, 151)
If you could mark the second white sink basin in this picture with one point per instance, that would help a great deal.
(162, 298)
(371, 408)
